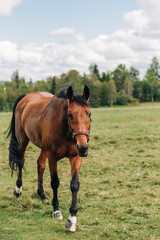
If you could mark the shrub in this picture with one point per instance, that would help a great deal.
(124, 99)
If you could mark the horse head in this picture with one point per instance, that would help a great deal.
(79, 119)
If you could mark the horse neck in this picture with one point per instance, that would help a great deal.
(64, 120)
(57, 108)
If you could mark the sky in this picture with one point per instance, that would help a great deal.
(43, 38)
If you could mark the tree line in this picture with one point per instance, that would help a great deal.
(121, 86)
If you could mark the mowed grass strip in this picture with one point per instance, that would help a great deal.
(119, 196)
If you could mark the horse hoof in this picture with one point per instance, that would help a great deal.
(72, 227)
(17, 192)
(57, 214)
(45, 201)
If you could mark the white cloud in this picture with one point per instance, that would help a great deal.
(134, 45)
(64, 30)
(137, 19)
(68, 31)
(151, 8)
(8, 52)
(146, 20)
(6, 6)
(38, 61)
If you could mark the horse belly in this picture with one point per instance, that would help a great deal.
(31, 126)
(33, 133)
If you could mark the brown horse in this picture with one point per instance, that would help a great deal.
(60, 126)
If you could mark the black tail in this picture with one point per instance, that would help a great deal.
(14, 155)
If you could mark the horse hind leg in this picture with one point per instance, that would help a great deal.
(21, 147)
(41, 164)
(54, 184)
(18, 189)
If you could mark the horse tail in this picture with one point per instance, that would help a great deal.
(14, 154)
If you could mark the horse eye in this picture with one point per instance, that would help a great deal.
(89, 115)
(70, 116)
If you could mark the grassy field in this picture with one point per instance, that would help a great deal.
(119, 197)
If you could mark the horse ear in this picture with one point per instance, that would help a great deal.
(70, 93)
(86, 93)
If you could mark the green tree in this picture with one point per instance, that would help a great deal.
(154, 68)
(104, 94)
(11, 96)
(134, 74)
(138, 89)
(119, 75)
(128, 87)
(71, 78)
(3, 97)
(112, 92)
(93, 68)
(151, 79)
(61, 82)
(30, 86)
(53, 85)
(41, 86)
(158, 93)
(22, 86)
(15, 78)
(94, 84)
(105, 77)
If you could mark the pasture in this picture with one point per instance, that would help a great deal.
(119, 196)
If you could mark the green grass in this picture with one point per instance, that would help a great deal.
(119, 197)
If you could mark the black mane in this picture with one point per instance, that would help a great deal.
(78, 98)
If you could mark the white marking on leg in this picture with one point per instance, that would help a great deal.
(18, 190)
(57, 214)
(45, 201)
(71, 224)
(73, 219)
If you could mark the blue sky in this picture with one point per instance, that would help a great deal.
(46, 37)
(33, 20)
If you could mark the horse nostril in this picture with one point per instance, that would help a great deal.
(82, 150)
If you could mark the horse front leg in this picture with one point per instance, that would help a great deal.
(54, 184)
(76, 162)
(41, 164)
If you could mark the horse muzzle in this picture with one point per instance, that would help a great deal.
(82, 150)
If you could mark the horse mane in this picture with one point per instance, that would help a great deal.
(78, 98)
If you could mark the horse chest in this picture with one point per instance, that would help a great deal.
(64, 150)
